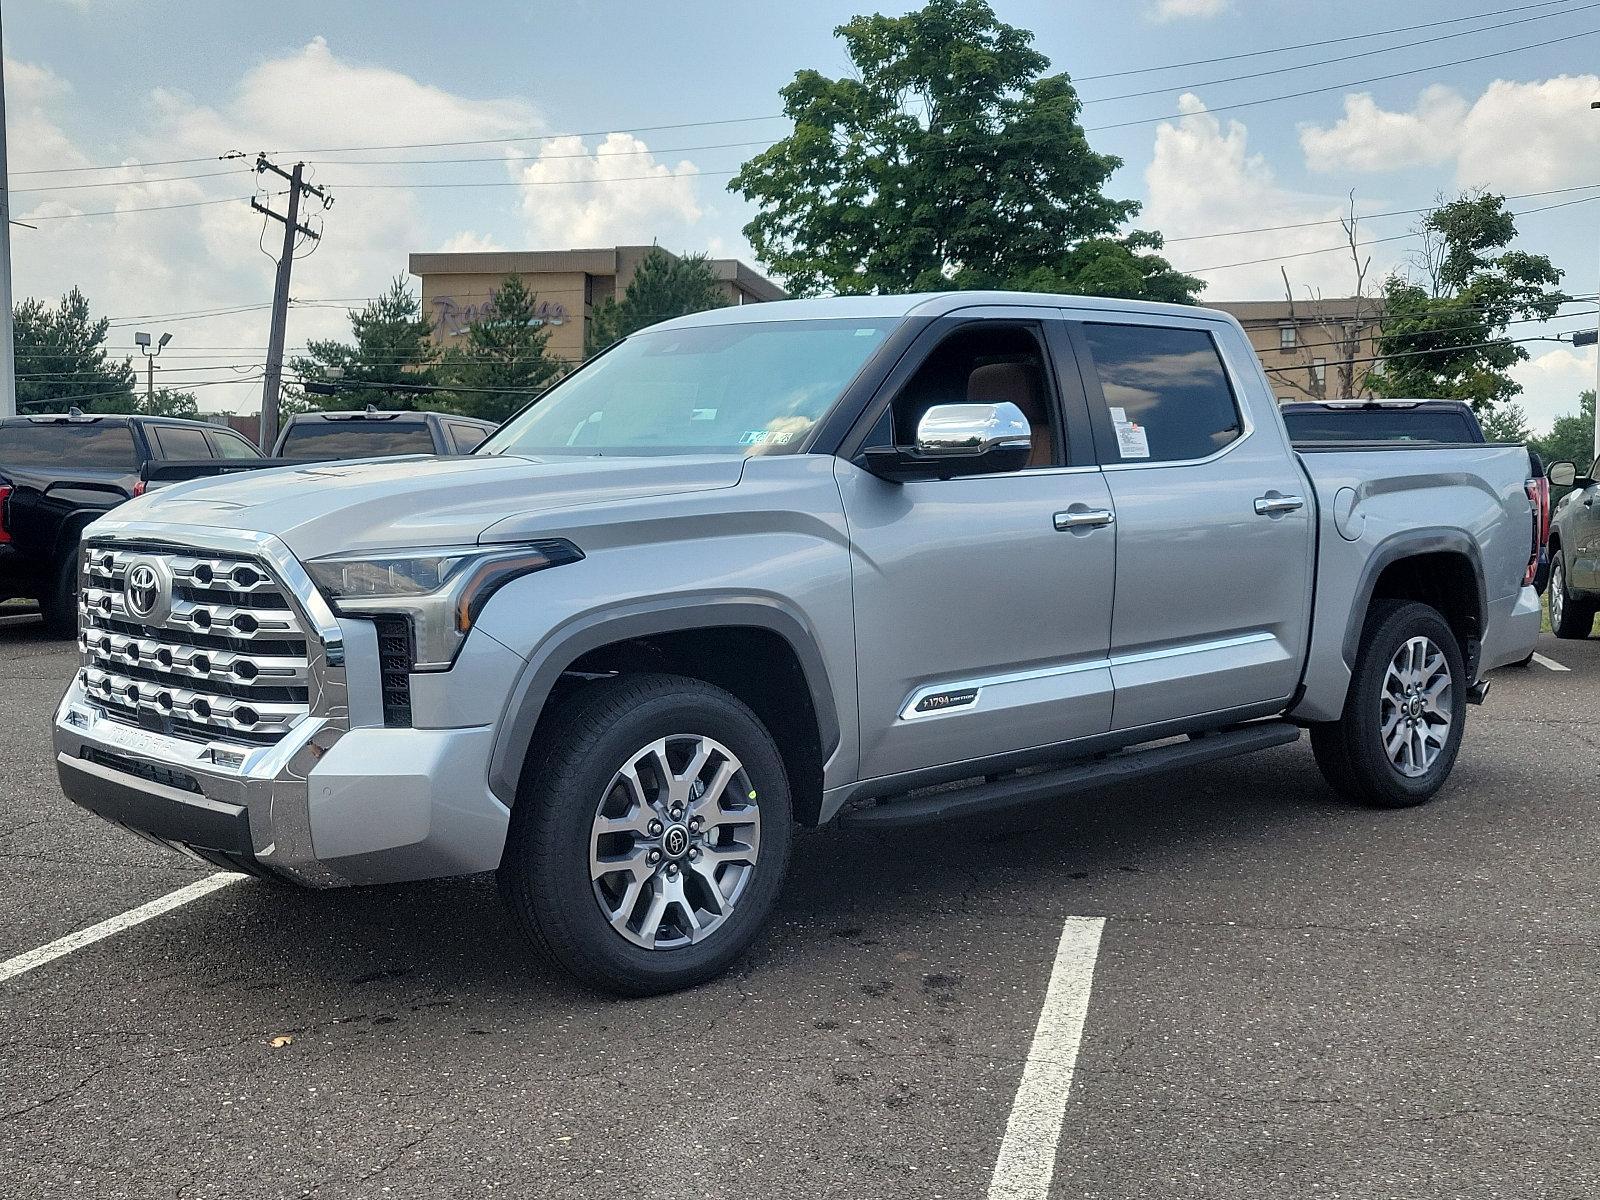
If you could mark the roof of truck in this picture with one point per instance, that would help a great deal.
(928, 304)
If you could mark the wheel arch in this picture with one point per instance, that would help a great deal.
(1438, 567)
(752, 647)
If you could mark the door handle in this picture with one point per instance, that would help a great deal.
(1276, 506)
(1084, 518)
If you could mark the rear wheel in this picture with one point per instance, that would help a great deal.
(1397, 740)
(651, 837)
(59, 604)
(1570, 617)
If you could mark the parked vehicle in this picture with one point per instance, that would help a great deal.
(878, 559)
(58, 473)
(1574, 553)
(1442, 421)
(370, 433)
(1448, 421)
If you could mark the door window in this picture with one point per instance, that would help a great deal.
(231, 445)
(984, 364)
(176, 441)
(1164, 394)
(466, 438)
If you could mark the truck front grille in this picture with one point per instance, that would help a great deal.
(222, 654)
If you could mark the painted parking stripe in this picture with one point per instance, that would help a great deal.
(1027, 1157)
(23, 963)
(1549, 663)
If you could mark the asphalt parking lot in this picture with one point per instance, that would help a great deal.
(1292, 998)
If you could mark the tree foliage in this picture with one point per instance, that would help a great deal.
(1444, 335)
(164, 402)
(62, 361)
(1571, 438)
(664, 286)
(505, 361)
(390, 358)
(948, 159)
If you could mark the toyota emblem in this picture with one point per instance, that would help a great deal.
(144, 589)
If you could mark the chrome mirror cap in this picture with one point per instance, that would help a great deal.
(972, 430)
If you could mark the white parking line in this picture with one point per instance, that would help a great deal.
(22, 963)
(1027, 1157)
(1549, 663)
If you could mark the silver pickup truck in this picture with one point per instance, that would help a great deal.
(878, 559)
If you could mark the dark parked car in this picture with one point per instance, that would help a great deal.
(58, 473)
(369, 433)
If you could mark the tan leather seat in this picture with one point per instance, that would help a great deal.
(1016, 383)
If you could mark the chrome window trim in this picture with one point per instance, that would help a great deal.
(908, 710)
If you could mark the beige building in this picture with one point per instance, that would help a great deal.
(1305, 344)
(458, 288)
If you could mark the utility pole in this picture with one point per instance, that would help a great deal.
(8, 353)
(1595, 104)
(272, 388)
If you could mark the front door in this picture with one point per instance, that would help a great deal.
(1214, 523)
(982, 603)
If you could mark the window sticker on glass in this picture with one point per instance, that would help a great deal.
(1132, 441)
(766, 437)
(703, 414)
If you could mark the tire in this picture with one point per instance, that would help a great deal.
(59, 604)
(666, 935)
(1570, 617)
(1352, 752)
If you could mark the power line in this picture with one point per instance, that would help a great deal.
(1351, 37)
(1338, 87)
(117, 212)
(1325, 62)
(70, 187)
(1417, 353)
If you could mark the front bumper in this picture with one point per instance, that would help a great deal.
(324, 807)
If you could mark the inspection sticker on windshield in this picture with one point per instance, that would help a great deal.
(1132, 442)
(766, 437)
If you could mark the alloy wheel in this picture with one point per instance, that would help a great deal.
(1558, 594)
(674, 842)
(1416, 707)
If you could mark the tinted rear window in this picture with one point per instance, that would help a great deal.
(176, 441)
(87, 446)
(1380, 425)
(1166, 392)
(356, 439)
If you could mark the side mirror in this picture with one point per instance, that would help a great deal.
(1562, 474)
(957, 439)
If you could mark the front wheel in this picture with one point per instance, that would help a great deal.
(1570, 617)
(1397, 740)
(651, 836)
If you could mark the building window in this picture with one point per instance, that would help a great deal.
(1286, 337)
(1319, 373)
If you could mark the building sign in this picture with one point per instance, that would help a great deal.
(451, 319)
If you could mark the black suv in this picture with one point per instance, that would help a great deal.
(58, 473)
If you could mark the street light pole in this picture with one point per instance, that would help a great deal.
(142, 340)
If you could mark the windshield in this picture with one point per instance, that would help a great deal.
(753, 388)
(318, 441)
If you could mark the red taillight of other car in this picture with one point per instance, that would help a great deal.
(5, 496)
(1538, 491)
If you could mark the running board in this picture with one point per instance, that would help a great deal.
(1122, 767)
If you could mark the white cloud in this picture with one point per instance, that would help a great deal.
(1368, 138)
(568, 201)
(468, 241)
(1203, 178)
(1177, 10)
(1551, 383)
(1515, 137)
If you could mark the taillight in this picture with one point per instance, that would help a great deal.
(1537, 507)
(138, 488)
(5, 495)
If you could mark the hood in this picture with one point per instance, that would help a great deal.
(329, 508)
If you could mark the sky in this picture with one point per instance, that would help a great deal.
(594, 123)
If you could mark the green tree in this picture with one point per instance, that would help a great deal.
(1444, 335)
(62, 361)
(505, 362)
(947, 159)
(164, 402)
(392, 356)
(1507, 422)
(1571, 438)
(663, 287)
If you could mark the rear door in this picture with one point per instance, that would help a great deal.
(982, 603)
(1214, 529)
(179, 442)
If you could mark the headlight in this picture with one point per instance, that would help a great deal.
(441, 589)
